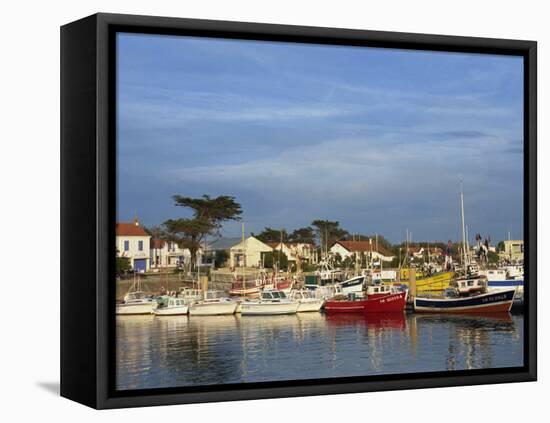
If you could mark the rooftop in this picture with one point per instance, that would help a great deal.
(130, 229)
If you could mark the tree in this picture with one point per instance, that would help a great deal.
(187, 233)
(221, 258)
(328, 232)
(122, 265)
(208, 216)
(212, 210)
(303, 235)
(272, 235)
(275, 259)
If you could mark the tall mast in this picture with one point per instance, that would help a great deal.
(244, 254)
(463, 225)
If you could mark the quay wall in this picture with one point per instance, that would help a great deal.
(153, 284)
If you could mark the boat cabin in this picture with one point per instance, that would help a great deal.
(273, 296)
(380, 290)
(175, 302)
(471, 285)
(302, 294)
(496, 275)
(135, 296)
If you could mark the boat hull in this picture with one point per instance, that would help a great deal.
(257, 309)
(386, 304)
(314, 305)
(247, 292)
(145, 308)
(172, 311)
(353, 285)
(216, 309)
(492, 302)
(432, 284)
(379, 304)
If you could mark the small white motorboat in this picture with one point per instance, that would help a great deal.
(307, 300)
(213, 304)
(136, 301)
(271, 302)
(170, 306)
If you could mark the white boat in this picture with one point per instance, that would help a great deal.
(307, 300)
(213, 304)
(271, 302)
(136, 301)
(354, 285)
(170, 306)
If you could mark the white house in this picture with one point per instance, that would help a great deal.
(169, 254)
(304, 250)
(349, 248)
(133, 242)
(252, 253)
(513, 250)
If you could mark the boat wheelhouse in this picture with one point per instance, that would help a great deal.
(271, 302)
(171, 306)
(307, 300)
(214, 303)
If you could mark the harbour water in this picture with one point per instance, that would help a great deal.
(157, 352)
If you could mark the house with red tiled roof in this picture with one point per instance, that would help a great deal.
(349, 248)
(133, 242)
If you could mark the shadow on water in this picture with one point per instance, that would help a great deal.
(51, 387)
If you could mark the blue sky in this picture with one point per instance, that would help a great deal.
(377, 139)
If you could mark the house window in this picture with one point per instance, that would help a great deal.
(140, 245)
(126, 245)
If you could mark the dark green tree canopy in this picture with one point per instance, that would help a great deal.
(212, 210)
(328, 232)
(208, 216)
(305, 235)
(272, 235)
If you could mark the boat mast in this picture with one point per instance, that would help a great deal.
(244, 253)
(463, 226)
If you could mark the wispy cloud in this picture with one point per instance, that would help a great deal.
(376, 139)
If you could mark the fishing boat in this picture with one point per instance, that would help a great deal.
(271, 302)
(488, 302)
(239, 289)
(354, 285)
(307, 300)
(213, 304)
(468, 293)
(171, 306)
(136, 301)
(500, 278)
(436, 283)
(376, 299)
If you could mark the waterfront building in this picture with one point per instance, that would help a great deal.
(133, 243)
(513, 250)
(250, 254)
(349, 248)
(219, 248)
(168, 254)
(306, 252)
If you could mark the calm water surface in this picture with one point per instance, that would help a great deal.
(155, 352)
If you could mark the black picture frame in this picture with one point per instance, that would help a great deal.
(88, 199)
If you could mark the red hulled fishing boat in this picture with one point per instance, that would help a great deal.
(376, 299)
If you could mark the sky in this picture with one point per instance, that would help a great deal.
(377, 139)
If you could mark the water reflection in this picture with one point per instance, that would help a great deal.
(202, 350)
